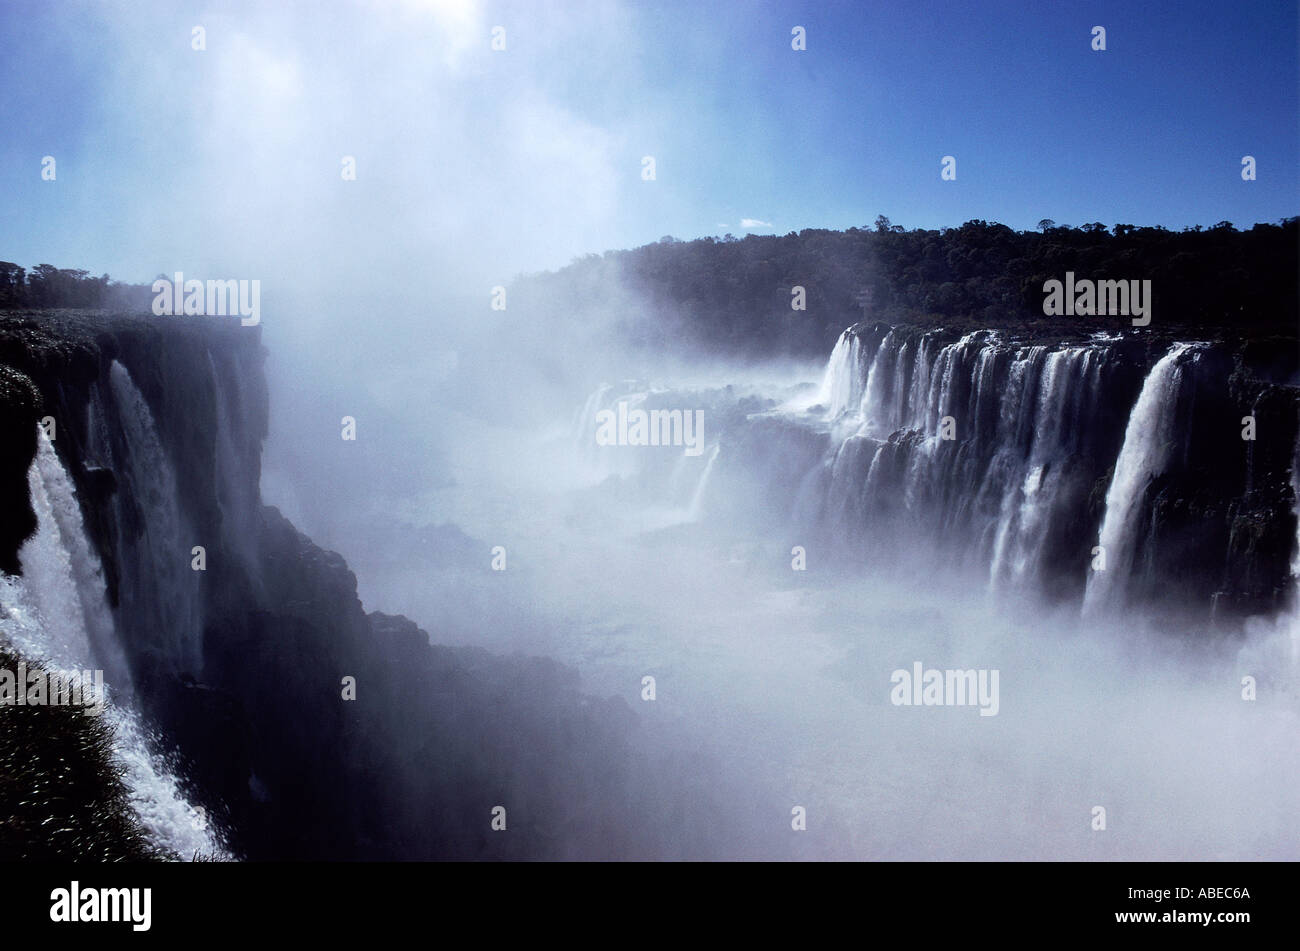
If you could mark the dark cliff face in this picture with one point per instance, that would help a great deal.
(412, 767)
(1222, 520)
(435, 737)
(19, 405)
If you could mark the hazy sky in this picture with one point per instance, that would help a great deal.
(474, 164)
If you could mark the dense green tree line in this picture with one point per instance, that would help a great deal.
(47, 286)
(736, 294)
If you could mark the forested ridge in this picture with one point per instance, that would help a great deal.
(46, 286)
(735, 295)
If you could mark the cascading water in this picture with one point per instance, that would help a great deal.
(874, 388)
(154, 545)
(841, 387)
(697, 499)
(59, 571)
(56, 614)
(1146, 451)
(1037, 482)
(973, 441)
(977, 453)
(584, 423)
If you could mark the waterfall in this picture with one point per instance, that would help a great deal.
(845, 495)
(154, 542)
(56, 614)
(697, 500)
(584, 422)
(1032, 499)
(1145, 454)
(1015, 460)
(58, 567)
(841, 387)
(919, 395)
(982, 452)
(875, 392)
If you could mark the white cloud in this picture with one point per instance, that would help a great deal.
(754, 223)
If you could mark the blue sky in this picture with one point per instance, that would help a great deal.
(479, 163)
